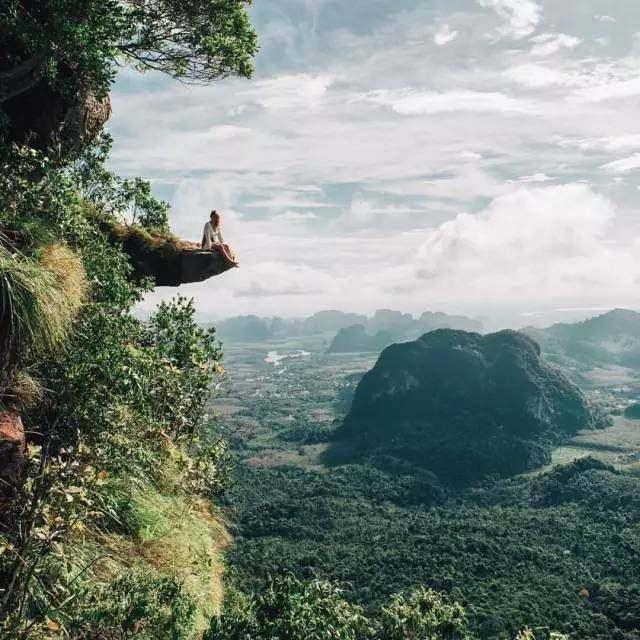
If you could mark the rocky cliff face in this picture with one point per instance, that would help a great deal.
(465, 405)
(12, 454)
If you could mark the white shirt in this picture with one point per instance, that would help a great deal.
(210, 236)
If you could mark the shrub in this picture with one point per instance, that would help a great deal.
(144, 607)
(423, 615)
(290, 609)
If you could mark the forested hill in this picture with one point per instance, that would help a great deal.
(465, 406)
(356, 338)
(612, 338)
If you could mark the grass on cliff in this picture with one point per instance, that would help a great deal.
(39, 297)
(165, 533)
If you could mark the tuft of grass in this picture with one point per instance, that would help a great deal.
(24, 391)
(39, 297)
(184, 538)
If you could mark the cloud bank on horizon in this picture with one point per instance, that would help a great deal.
(464, 155)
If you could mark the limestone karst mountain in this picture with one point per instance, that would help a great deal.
(464, 406)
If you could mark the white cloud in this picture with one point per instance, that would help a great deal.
(611, 143)
(536, 177)
(605, 91)
(226, 132)
(301, 91)
(522, 16)
(271, 279)
(624, 165)
(591, 81)
(288, 200)
(408, 102)
(605, 18)
(444, 36)
(536, 76)
(547, 44)
(544, 239)
(470, 155)
(294, 217)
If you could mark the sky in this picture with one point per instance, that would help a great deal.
(468, 156)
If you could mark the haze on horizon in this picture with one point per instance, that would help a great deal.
(466, 156)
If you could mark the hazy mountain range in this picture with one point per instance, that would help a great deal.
(397, 326)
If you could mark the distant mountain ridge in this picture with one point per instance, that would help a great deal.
(400, 326)
(386, 327)
(464, 406)
(610, 338)
(356, 339)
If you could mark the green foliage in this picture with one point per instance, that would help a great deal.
(199, 40)
(135, 606)
(583, 480)
(189, 358)
(508, 564)
(146, 209)
(423, 616)
(120, 396)
(288, 609)
(208, 467)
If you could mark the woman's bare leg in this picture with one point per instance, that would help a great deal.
(226, 251)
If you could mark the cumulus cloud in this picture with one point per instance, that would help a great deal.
(226, 132)
(521, 16)
(294, 217)
(610, 143)
(545, 239)
(471, 156)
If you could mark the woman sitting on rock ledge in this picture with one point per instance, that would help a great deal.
(212, 239)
